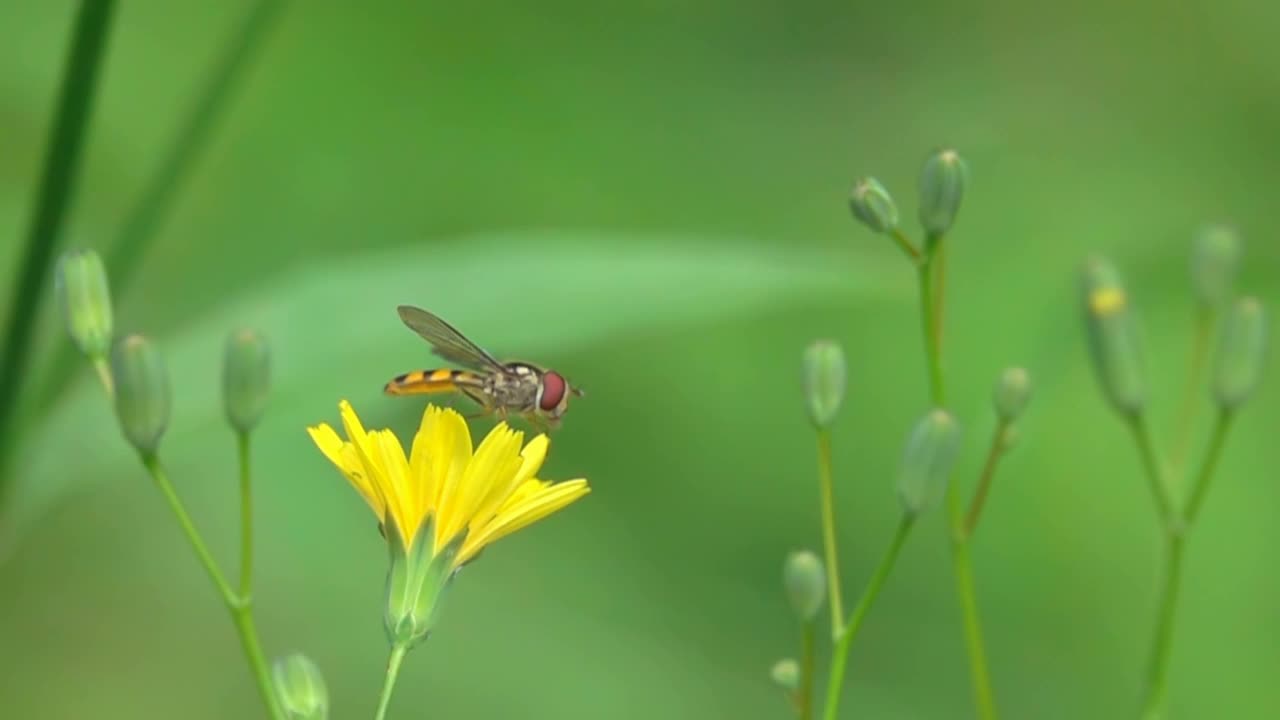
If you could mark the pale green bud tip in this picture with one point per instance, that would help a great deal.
(141, 391)
(246, 379)
(824, 381)
(930, 453)
(805, 582)
(301, 688)
(942, 183)
(1241, 353)
(1012, 392)
(85, 298)
(786, 674)
(873, 206)
(1215, 257)
(1114, 344)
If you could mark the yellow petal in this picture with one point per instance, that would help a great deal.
(532, 508)
(396, 486)
(494, 462)
(343, 455)
(447, 442)
(531, 459)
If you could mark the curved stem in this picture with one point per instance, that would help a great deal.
(388, 685)
(1217, 441)
(241, 609)
(905, 243)
(1159, 483)
(840, 656)
(829, 532)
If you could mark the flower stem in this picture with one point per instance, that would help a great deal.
(241, 609)
(804, 703)
(246, 518)
(1199, 358)
(905, 243)
(103, 368)
(840, 655)
(930, 313)
(984, 482)
(57, 188)
(393, 670)
(1160, 490)
(1175, 539)
(829, 532)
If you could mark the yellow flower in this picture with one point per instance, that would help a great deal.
(443, 503)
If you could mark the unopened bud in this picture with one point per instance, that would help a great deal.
(1241, 353)
(300, 688)
(246, 379)
(824, 381)
(1215, 258)
(1011, 394)
(942, 183)
(873, 206)
(805, 582)
(85, 298)
(1114, 344)
(142, 393)
(786, 674)
(930, 453)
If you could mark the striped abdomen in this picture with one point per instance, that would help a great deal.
(420, 382)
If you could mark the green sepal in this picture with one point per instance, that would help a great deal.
(416, 582)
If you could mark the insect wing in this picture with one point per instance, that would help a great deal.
(446, 341)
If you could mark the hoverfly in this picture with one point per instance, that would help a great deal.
(539, 395)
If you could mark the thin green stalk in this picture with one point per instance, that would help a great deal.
(1217, 441)
(940, 292)
(124, 254)
(829, 531)
(808, 652)
(840, 656)
(980, 676)
(246, 518)
(241, 609)
(932, 350)
(1162, 645)
(905, 243)
(1160, 490)
(103, 368)
(994, 453)
(53, 198)
(1205, 321)
(393, 670)
(1175, 539)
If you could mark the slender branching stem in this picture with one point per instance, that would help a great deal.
(905, 243)
(241, 608)
(840, 656)
(388, 685)
(808, 653)
(1191, 393)
(999, 440)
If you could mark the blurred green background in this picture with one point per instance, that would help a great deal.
(651, 198)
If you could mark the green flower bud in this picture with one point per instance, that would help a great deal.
(246, 379)
(942, 182)
(1113, 337)
(1011, 394)
(786, 674)
(1215, 257)
(141, 392)
(85, 298)
(931, 452)
(1241, 353)
(824, 381)
(416, 583)
(873, 205)
(805, 582)
(300, 688)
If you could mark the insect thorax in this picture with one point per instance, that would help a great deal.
(517, 388)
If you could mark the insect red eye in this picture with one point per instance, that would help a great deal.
(552, 391)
